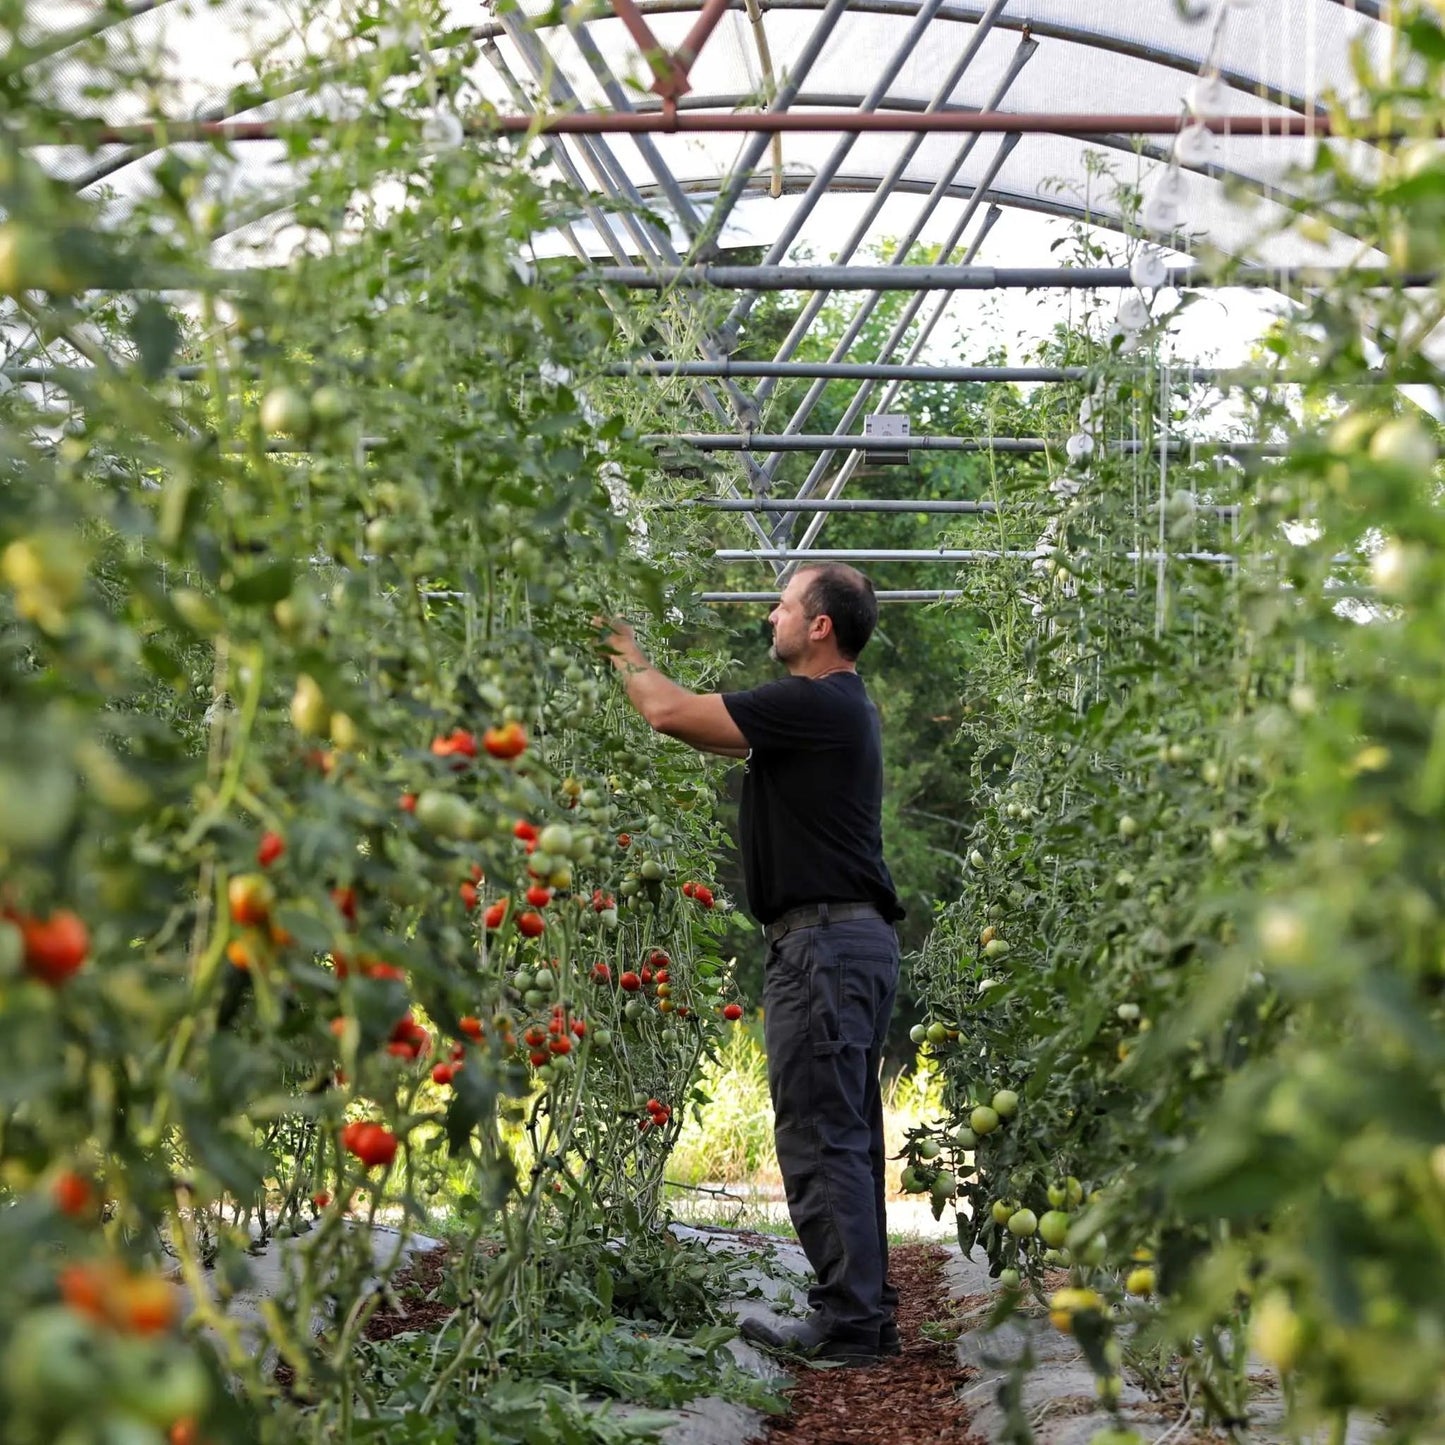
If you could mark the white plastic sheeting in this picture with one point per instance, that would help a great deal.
(195, 58)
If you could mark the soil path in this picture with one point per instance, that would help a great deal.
(909, 1400)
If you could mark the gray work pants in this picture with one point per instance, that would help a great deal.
(827, 999)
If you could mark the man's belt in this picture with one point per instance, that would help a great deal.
(817, 915)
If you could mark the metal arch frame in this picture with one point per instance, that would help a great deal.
(613, 180)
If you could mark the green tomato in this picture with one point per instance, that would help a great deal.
(1022, 1223)
(929, 1149)
(945, 1186)
(159, 1382)
(633, 1009)
(1058, 1195)
(965, 1138)
(1005, 1103)
(1075, 1192)
(446, 815)
(544, 980)
(57, 1364)
(601, 1039)
(652, 870)
(1054, 1228)
(1128, 828)
(555, 840)
(911, 1181)
(983, 1120)
(1405, 444)
(997, 948)
(285, 410)
(1009, 1278)
(936, 1033)
(1001, 1210)
(918, 1033)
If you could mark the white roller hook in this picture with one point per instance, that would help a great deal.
(1196, 145)
(442, 130)
(1209, 95)
(1147, 270)
(1079, 447)
(1133, 313)
(1166, 199)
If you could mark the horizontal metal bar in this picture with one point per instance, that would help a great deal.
(824, 504)
(884, 371)
(908, 594)
(982, 278)
(632, 122)
(941, 554)
(854, 442)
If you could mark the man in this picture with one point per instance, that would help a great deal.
(811, 841)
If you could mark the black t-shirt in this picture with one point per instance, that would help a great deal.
(811, 827)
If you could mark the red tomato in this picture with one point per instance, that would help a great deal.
(601, 973)
(373, 1144)
(535, 1036)
(630, 981)
(524, 830)
(250, 898)
(659, 958)
(269, 849)
(442, 1074)
(506, 742)
(55, 947)
(470, 896)
(733, 1012)
(345, 901)
(579, 1027)
(703, 895)
(470, 1025)
(561, 1045)
(144, 1304)
(624, 840)
(73, 1195)
(530, 925)
(688, 889)
(407, 803)
(495, 914)
(459, 743)
(321, 1198)
(539, 896)
(538, 1057)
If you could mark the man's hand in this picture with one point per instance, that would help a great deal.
(699, 720)
(618, 641)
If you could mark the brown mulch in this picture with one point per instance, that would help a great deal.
(909, 1400)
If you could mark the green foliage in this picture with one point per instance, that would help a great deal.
(1199, 937)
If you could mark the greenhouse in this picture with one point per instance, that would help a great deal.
(722, 719)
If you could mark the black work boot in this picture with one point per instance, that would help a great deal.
(889, 1341)
(810, 1339)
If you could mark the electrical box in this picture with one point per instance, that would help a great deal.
(893, 426)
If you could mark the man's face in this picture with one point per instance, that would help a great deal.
(790, 622)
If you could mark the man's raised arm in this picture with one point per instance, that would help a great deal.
(701, 720)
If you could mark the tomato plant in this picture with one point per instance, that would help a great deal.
(1195, 964)
(310, 772)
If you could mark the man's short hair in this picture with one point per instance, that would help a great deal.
(845, 595)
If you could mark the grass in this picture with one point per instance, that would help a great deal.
(724, 1171)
